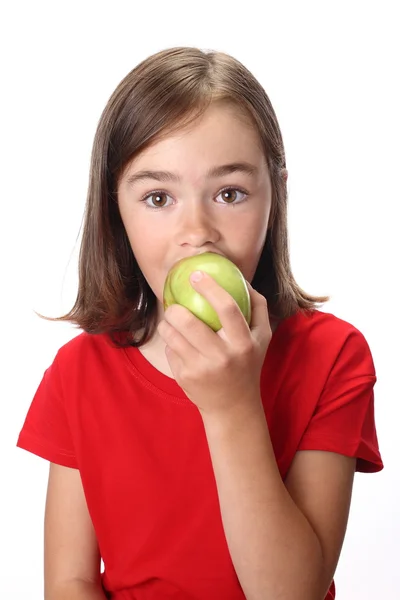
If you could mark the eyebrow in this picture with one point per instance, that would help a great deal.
(213, 173)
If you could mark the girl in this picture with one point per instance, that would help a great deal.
(197, 465)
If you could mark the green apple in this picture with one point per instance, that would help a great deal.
(178, 289)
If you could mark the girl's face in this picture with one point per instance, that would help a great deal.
(203, 189)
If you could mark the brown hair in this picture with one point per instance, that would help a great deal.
(165, 92)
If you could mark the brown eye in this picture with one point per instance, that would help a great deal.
(157, 200)
(232, 196)
(229, 196)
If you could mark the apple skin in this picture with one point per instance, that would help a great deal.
(178, 289)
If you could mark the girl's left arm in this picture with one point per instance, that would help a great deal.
(284, 538)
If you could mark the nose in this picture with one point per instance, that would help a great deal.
(196, 226)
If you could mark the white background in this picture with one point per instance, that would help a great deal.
(331, 70)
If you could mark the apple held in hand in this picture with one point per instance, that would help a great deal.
(178, 289)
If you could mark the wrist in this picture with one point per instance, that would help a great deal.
(238, 415)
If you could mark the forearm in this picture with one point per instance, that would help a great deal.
(275, 552)
(76, 590)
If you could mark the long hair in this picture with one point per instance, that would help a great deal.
(163, 93)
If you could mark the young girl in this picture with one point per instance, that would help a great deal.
(197, 465)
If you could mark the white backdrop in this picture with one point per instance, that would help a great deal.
(332, 73)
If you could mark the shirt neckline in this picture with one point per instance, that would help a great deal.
(162, 384)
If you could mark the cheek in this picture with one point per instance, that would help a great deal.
(143, 237)
(250, 233)
(148, 246)
(249, 241)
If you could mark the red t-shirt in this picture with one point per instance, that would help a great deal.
(140, 446)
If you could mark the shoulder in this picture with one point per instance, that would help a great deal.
(311, 351)
(323, 333)
(86, 349)
(89, 366)
(317, 323)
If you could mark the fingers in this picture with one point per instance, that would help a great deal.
(185, 333)
(232, 320)
(260, 324)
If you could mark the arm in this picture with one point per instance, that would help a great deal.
(77, 590)
(71, 553)
(284, 541)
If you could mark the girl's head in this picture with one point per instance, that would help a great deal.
(188, 157)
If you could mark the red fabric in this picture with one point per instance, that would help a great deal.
(140, 446)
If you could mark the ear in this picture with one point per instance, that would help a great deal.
(285, 174)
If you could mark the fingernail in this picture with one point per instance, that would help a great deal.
(196, 276)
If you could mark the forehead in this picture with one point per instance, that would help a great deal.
(220, 135)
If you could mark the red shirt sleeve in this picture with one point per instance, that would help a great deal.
(46, 432)
(344, 420)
